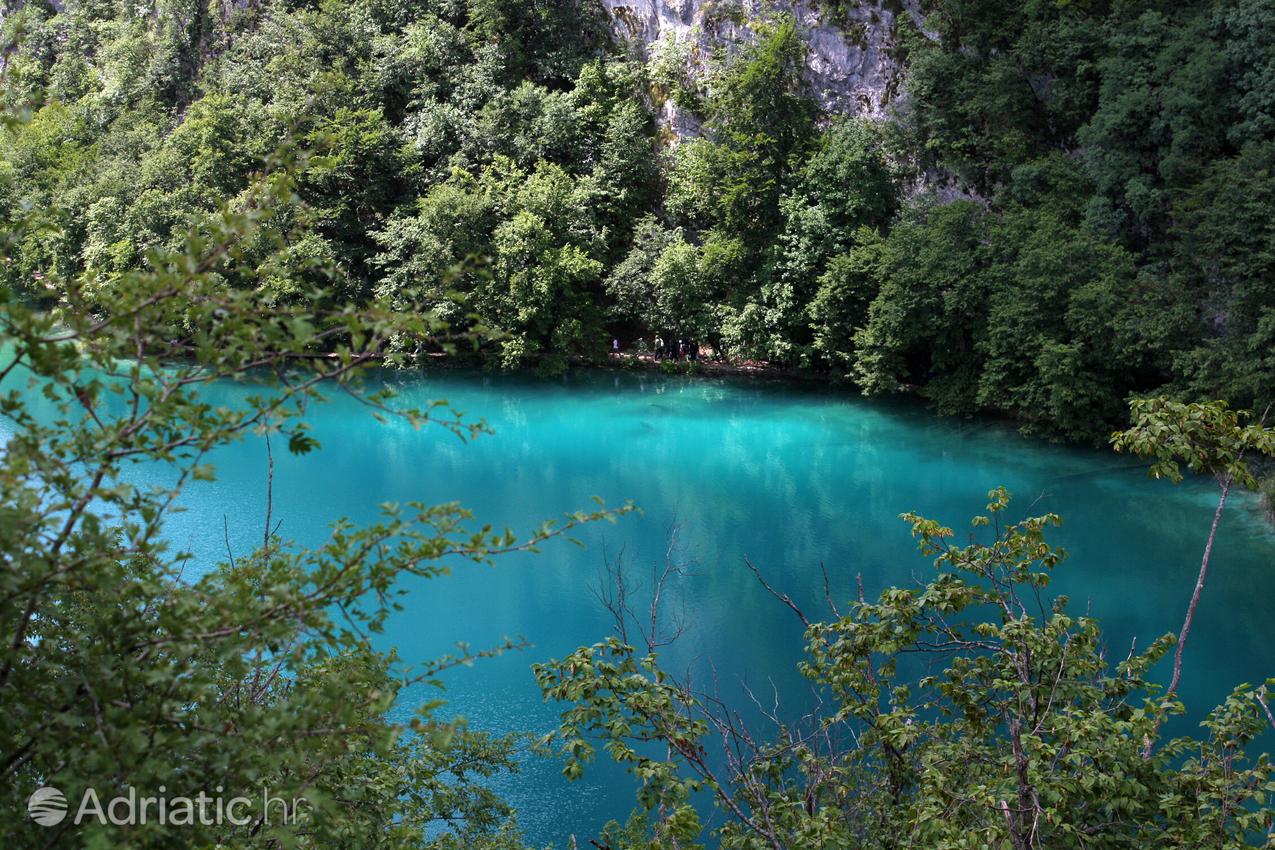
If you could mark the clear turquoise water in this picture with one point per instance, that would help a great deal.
(790, 476)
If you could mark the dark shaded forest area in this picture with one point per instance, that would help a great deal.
(1073, 203)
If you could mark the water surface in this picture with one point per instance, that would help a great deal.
(790, 476)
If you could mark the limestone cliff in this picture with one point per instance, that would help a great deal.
(852, 58)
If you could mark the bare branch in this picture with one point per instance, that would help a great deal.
(265, 540)
(782, 597)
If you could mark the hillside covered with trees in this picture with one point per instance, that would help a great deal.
(1071, 204)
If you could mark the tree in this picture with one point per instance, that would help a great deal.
(759, 106)
(119, 670)
(629, 286)
(1013, 730)
(1112, 160)
(840, 305)
(930, 307)
(1228, 240)
(547, 40)
(843, 194)
(761, 126)
(1209, 438)
(1060, 348)
(1001, 82)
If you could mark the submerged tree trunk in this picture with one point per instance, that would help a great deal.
(1199, 587)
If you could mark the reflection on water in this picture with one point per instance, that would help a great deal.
(791, 476)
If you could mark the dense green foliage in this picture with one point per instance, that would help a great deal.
(963, 713)
(1072, 206)
(122, 670)
(440, 130)
(1075, 206)
(1124, 149)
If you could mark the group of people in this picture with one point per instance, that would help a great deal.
(682, 349)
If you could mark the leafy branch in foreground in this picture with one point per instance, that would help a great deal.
(120, 672)
(964, 713)
(1210, 439)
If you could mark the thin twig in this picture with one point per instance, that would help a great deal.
(782, 597)
(265, 540)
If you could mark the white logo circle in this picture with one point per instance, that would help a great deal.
(47, 806)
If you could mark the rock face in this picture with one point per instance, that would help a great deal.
(851, 62)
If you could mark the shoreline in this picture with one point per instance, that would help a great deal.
(746, 368)
(644, 363)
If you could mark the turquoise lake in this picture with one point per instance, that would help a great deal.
(791, 476)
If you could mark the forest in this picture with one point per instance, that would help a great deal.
(1065, 219)
(1071, 205)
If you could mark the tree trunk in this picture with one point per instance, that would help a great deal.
(1199, 588)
